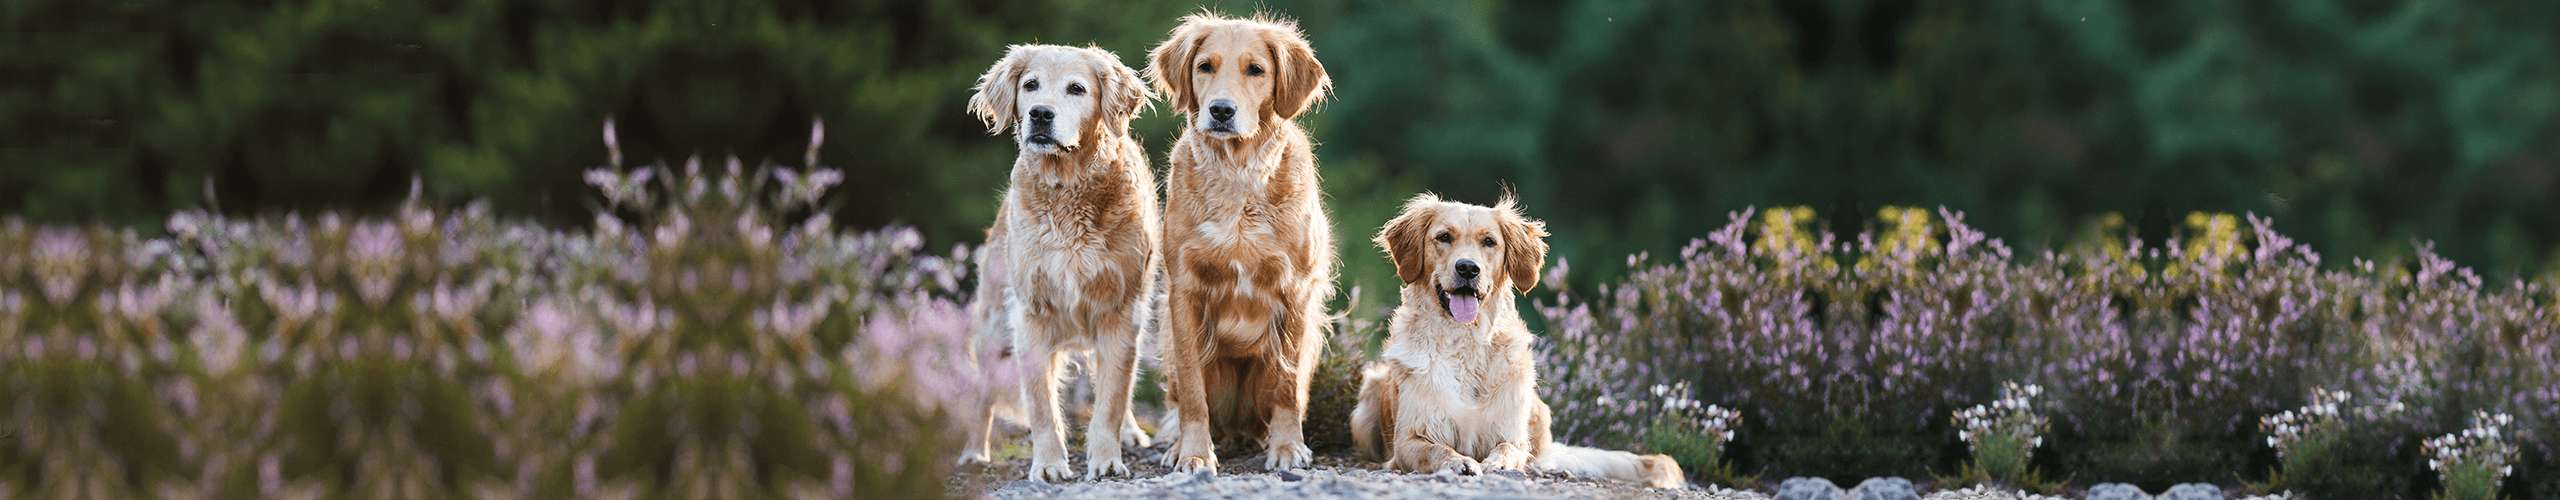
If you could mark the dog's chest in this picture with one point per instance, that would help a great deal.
(1071, 253)
(1477, 407)
(1236, 254)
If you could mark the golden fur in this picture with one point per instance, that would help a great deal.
(1250, 256)
(1070, 262)
(1461, 395)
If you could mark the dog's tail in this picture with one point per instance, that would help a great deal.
(1658, 471)
(1373, 416)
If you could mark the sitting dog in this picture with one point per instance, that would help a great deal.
(1456, 388)
(1071, 260)
(1250, 259)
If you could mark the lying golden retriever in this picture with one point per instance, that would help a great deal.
(1456, 388)
(1250, 257)
(1071, 259)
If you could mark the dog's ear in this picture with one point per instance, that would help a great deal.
(1303, 80)
(1124, 96)
(1169, 64)
(1405, 237)
(994, 101)
(1525, 245)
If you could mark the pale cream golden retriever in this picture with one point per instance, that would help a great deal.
(1457, 388)
(1250, 257)
(1071, 259)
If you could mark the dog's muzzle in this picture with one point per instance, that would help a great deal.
(1043, 129)
(1222, 116)
(1462, 299)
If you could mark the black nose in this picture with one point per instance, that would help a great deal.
(1467, 269)
(1222, 110)
(1042, 114)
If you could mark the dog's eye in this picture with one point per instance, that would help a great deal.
(1488, 242)
(1075, 89)
(1253, 70)
(1206, 68)
(1443, 237)
(1031, 86)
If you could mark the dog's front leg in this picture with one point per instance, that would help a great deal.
(1048, 436)
(1300, 347)
(1523, 433)
(1188, 337)
(1116, 362)
(1415, 453)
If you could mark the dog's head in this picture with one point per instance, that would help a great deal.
(1232, 77)
(1059, 96)
(1465, 253)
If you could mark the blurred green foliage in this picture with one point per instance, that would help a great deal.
(1629, 124)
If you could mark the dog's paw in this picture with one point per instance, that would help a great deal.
(1506, 457)
(1461, 465)
(1132, 436)
(1195, 464)
(1292, 455)
(1102, 457)
(1102, 467)
(1052, 471)
(975, 456)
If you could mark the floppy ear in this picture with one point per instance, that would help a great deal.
(1404, 237)
(1527, 245)
(1302, 79)
(994, 101)
(1124, 96)
(1169, 65)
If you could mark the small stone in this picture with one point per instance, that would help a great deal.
(2193, 491)
(1807, 488)
(1289, 475)
(1884, 488)
(2117, 491)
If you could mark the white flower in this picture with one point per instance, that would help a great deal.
(1728, 435)
(2038, 442)
(2271, 441)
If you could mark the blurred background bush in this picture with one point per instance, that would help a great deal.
(1632, 125)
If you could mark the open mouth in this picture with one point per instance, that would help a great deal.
(1462, 303)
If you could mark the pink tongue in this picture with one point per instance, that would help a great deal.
(1462, 308)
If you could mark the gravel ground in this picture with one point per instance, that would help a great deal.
(1331, 477)
(1341, 477)
(1338, 476)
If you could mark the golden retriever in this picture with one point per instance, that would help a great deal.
(1250, 259)
(1456, 386)
(1070, 262)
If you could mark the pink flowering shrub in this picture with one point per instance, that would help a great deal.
(2158, 360)
(713, 335)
